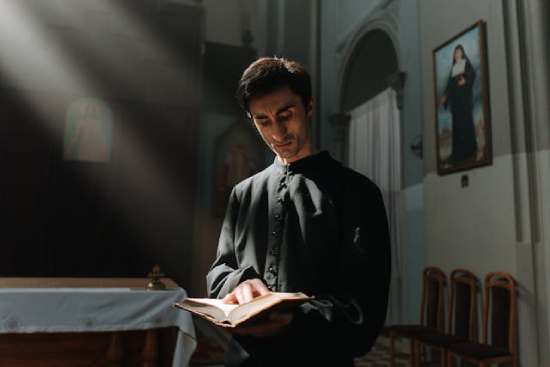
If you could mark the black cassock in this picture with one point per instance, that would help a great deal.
(316, 227)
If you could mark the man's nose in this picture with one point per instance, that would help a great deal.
(279, 131)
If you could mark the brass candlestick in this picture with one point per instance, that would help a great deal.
(155, 284)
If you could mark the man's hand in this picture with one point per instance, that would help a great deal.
(246, 292)
(274, 325)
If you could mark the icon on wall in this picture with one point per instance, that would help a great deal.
(239, 154)
(88, 131)
(462, 115)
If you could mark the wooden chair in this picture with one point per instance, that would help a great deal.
(432, 313)
(500, 309)
(462, 316)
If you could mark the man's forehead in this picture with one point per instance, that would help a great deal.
(273, 101)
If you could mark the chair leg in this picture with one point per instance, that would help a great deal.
(392, 349)
(449, 359)
(418, 355)
(443, 355)
(412, 359)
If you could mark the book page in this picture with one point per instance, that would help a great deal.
(261, 303)
(225, 307)
(230, 315)
(215, 308)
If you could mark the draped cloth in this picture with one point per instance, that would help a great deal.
(375, 151)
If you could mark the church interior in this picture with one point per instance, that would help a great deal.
(121, 139)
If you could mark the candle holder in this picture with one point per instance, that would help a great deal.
(155, 284)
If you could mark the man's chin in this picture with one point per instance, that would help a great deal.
(285, 151)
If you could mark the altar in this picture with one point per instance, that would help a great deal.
(93, 322)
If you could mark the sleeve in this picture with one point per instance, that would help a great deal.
(224, 274)
(355, 310)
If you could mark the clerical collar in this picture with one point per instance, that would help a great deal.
(312, 161)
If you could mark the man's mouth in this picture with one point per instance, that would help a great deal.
(283, 144)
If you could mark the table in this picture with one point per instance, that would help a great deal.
(93, 321)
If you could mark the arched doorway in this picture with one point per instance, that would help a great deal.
(372, 65)
(370, 93)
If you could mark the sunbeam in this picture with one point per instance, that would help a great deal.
(55, 54)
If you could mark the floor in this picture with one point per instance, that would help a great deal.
(379, 356)
(209, 354)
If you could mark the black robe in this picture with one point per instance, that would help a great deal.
(460, 99)
(316, 227)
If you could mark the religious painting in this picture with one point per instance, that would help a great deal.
(88, 131)
(462, 116)
(239, 154)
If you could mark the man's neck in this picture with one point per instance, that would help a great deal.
(303, 154)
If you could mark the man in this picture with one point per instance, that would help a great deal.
(304, 224)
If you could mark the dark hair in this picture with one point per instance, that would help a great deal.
(461, 48)
(269, 74)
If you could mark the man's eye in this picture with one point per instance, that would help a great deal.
(285, 115)
(262, 122)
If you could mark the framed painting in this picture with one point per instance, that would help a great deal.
(462, 114)
(239, 154)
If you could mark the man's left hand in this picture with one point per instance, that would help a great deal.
(275, 324)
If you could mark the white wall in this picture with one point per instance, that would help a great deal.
(476, 227)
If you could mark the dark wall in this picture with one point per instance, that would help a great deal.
(223, 67)
(372, 62)
(114, 218)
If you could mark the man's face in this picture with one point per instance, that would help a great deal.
(282, 121)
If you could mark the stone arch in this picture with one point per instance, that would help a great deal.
(379, 31)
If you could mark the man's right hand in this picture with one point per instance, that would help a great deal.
(246, 292)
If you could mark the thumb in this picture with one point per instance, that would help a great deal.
(230, 298)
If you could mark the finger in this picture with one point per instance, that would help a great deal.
(247, 292)
(230, 298)
(239, 294)
(260, 287)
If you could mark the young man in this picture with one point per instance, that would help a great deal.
(304, 224)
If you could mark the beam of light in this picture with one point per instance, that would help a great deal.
(29, 60)
(34, 62)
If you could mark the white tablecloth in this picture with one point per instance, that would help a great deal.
(33, 310)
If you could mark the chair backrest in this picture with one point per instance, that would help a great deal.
(432, 310)
(501, 310)
(463, 304)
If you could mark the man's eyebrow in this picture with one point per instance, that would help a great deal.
(286, 107)
(258, 116)
(279, 110)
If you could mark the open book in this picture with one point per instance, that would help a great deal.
(228, 315)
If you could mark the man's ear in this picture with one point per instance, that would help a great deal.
(309, 109)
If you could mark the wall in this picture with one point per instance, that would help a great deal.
(116, 218)
(479, 227)
(226, 20)
(343, 26)
(278, 29)
(225, 58)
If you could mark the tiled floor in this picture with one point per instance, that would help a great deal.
(379, 356)
(210, 353)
